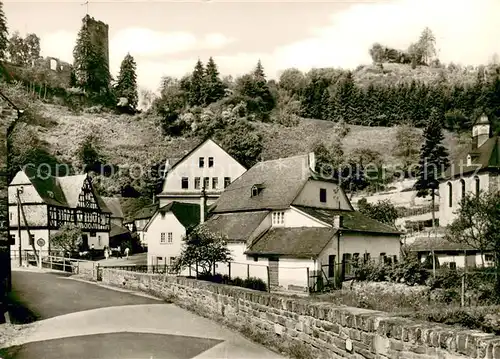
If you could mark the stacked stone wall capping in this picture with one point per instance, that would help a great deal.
(326, 330)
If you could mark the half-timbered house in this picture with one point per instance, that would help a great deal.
(45, 203)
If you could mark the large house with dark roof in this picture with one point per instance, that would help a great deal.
(477, 171)
(281, 214)
(47, 202)
(206, 166)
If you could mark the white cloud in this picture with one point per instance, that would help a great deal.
(216, 41)
(465, 31)
(146, 42)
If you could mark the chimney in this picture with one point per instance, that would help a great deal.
(203, 201)
(338, 221)
(312, 161)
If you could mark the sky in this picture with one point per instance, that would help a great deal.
(166, 38)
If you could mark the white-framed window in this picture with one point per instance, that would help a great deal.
(99, 240)
(278, 218)
(170, 238)
(172, 261)
(162, 237)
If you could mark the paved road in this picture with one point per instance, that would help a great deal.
(51, 294)
(84, 320)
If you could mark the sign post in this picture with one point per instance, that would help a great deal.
(41, 243)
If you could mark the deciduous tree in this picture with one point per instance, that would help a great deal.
(406, 146)
(32, 44)
(382, 211)
(478, 225)
(242, 141)
(203, 249)
(68, 239)
(17, 49)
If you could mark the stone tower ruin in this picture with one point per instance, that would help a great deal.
(99, 35)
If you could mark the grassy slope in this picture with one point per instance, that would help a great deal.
(125, 139)
(282, 141)
(134, 139)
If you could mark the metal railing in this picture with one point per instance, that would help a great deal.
(154, 269)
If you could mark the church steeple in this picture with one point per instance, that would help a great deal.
(481, 131)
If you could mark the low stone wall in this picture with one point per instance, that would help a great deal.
(323, 330)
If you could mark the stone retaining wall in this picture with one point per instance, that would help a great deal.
(322, 329)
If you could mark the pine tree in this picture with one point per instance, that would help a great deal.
(196, 95)
(4, 33)
(259, 72)
(214, 87)
(433, 158)
(127, 81)
(263, 95)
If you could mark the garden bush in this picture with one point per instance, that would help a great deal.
(250, 283)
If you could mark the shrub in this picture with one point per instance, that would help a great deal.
(255, 283)
(373, 272)
(410, 271)
(445, 279)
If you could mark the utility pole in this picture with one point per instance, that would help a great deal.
(18, 192)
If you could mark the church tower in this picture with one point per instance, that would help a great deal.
(481, 131)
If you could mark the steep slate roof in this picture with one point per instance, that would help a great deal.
(235, 226)
(60, 191)
(130, 206)
(146, 212)
(117, 230)
(188, 214)
(302, 242)
(282, 180)
(488, 157)
(47, 187)
(114, 206)
(352, 220)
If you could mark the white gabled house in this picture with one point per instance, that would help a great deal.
(206, 166)
(281, 214)
(49, 202)
(166, 229)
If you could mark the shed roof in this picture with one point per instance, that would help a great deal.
(300, 242)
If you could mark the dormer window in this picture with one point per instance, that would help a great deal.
(51, 194)
(256, 189)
